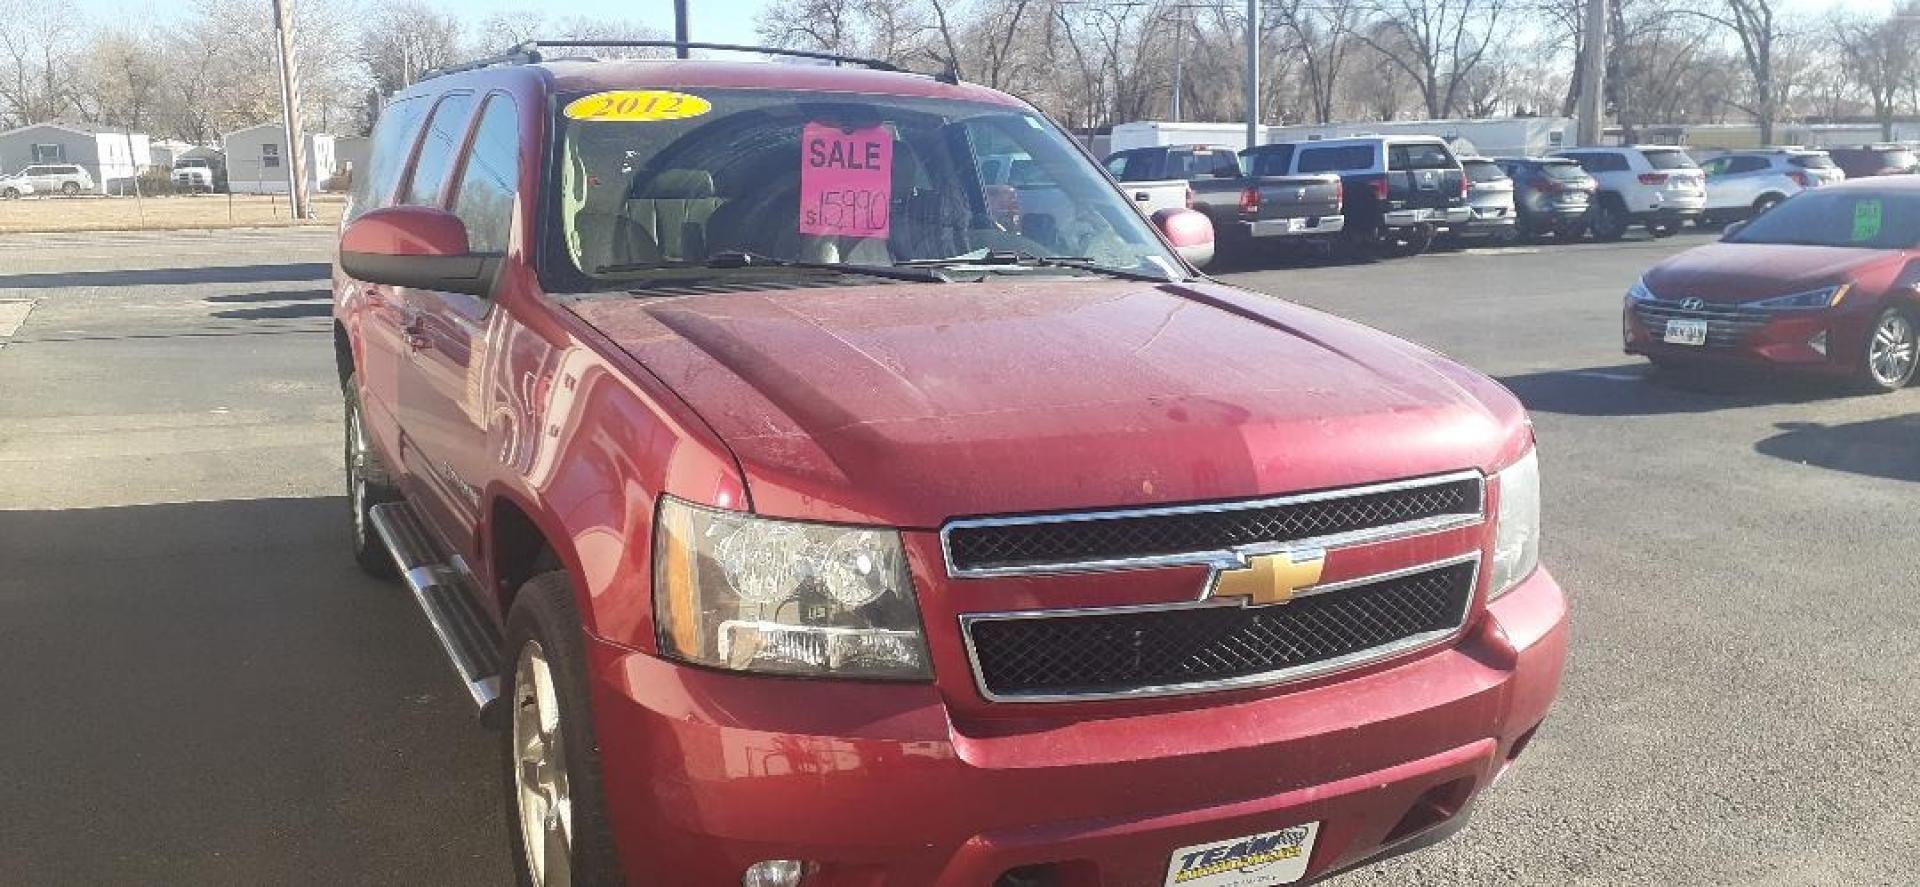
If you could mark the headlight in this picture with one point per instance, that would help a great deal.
(1639, 292)
(1516, 533)
(1825, 297)
(735, 591)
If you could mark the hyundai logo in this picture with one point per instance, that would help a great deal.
(1693, 304)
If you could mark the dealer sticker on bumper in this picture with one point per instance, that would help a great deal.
(1276, 857)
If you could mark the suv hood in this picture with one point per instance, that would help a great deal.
(1740, 272)
(911, 404)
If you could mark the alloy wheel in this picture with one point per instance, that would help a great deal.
(1892, 351)
(358, 455)
(544, 800)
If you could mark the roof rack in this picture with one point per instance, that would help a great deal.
(529, 53)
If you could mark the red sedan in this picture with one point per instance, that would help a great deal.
(1827, 282)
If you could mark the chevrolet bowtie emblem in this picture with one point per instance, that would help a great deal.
(1271, 578)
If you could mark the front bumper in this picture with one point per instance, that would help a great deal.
(1785, 340)
(887, 784)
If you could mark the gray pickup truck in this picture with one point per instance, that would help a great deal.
(1247, 206)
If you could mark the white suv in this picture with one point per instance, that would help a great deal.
(1743, 184)
(57, 178)
(1657, 186)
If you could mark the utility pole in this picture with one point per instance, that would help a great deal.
(1179, 59)
(1593, 74)
(680, 28)
(1253, 73)
(290, 111)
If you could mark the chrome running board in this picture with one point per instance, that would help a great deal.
(466, 634)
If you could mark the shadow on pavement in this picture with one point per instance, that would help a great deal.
(212, 693)
(307, 295)
(1888, 448)
(277, 312)
(1636, 389)
(169, 276)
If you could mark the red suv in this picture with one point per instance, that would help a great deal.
(799, 519)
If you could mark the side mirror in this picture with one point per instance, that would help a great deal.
(416, 246)
(1733, 229)
(1190, 232)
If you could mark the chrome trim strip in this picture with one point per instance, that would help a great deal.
(1206, 557)
(1355, 659)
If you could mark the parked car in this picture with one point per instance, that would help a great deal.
(782, 506)
(1246, 202)
(1743, 184)
(57, 178)
(14, 187)
(193, 175)
(1398, 190)
(1654, 186)
(1551, 196)
(1490, 196)
(1861, 161)
(1821, 283)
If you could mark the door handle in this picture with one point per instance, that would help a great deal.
(1142, 196)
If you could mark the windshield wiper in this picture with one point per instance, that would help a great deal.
(744, 259)
(1029, 260)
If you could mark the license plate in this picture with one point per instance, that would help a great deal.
(1687, 332)
(1296, 224)
(1275, 857)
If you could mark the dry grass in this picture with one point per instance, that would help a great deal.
(156, 213)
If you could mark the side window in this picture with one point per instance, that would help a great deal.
(490, 178)
(1346, 158)
(445, 129)
(1138, 167)
(1748, 164)
(387, 154)
(1225, 164)
(269, 155)
(1714, 167)
(1613, 162)
(1117, 166)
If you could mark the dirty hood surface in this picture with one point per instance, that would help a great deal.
(909, 404)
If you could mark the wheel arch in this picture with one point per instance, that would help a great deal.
(343, 354)
(521, 541)
(1768, 197)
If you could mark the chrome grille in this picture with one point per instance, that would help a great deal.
(1203, 533)
(1075, 655)
(1728, 326)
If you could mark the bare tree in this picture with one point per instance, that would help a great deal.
(1758, 31)
(1322, 32)
(39, 51)
(1440, 43)
(1877, 56)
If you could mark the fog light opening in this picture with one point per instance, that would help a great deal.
(1819, 342)
(1434, 806)
(776, 873)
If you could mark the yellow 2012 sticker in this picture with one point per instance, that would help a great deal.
(637, 105)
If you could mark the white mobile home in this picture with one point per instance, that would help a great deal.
(1158, 133)
(257, 160)
(1494, 137)
(113, 157)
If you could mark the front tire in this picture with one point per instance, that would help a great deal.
(10, 194)
(368, 484)
(1887, 362)
(556, 805)
(71, 189)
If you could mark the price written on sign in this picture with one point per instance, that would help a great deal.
(846, 181)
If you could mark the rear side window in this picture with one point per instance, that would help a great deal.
(1483, 170)
(387, 154)
(1747, 164)
(490, 178)
(1268, 161)
(1342, 159)
(1200, 163)
(1674, 160)
(445, 129)
(1419, 156)
(1812, 161)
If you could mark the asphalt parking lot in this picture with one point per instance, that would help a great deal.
(204, 690)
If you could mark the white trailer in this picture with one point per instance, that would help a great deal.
(1494, 137)
(1161, 133)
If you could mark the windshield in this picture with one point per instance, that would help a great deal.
(1850, 218)
(1669, 160)
(1483, 170)
(828, 178)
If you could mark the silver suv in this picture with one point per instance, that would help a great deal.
(1657, 186)
(1744, 184)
